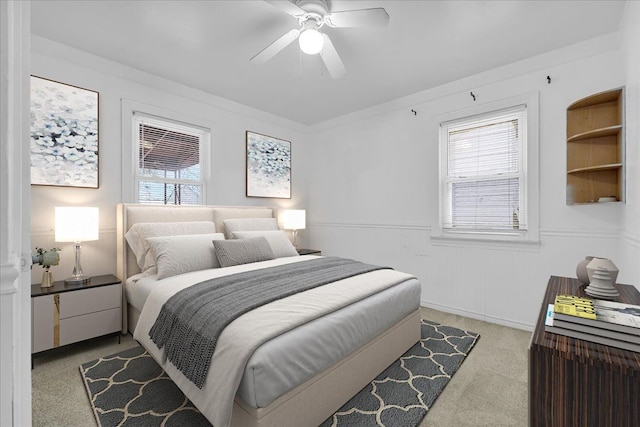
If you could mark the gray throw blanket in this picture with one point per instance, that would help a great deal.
(191, 321)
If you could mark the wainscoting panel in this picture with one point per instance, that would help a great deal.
(629, 262)
(498, 284)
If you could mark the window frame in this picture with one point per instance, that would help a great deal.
(529, 195)
(130, 139)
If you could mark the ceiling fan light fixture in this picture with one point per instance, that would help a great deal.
(311, 41)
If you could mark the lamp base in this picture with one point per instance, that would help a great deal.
(77, 280)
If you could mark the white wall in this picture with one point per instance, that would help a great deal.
(115, 82)
(374, 189)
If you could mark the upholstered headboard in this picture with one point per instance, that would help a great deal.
(129, 214)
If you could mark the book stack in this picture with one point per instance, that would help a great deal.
(605, 322)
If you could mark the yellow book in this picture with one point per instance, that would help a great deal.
(575, 306)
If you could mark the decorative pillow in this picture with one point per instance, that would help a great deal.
(138, 234)
(183, 253)
(278, 240)
(248, 224)
(244, 251)
(224, 213)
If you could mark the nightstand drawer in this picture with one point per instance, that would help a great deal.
(89, 300)
(91, 325)
(63, 314)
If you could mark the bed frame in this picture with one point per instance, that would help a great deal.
(311, 402)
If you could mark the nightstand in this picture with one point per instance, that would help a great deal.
(308, 251)
(65, 314)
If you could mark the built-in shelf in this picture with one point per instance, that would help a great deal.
(597, 99)
(600, 203)
(595, 148)
(596, 133)
(611, 166)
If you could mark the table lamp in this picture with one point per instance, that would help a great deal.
(294, 219)
(76, 224)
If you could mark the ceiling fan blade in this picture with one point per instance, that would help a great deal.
(272, 50)
(331, 58)
(376, 17)
(286, 7)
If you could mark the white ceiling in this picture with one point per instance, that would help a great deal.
(207, 45)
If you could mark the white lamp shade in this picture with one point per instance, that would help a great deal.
(311, 41)
(294, 219)
(76, 224)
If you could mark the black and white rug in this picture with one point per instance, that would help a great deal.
(130, 389)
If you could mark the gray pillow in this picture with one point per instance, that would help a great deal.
(278, 240)
(244, 251)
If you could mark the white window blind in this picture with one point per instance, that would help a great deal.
(484, 172)
(170, 161)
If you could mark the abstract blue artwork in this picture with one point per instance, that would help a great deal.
(64, 134)
(268, 166)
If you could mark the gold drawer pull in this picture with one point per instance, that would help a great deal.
(56, 320)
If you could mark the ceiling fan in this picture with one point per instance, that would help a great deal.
(312, 15)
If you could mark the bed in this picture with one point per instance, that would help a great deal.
(296, 376)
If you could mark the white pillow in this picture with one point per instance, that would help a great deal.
(248, 224)
(278, 240)
(180, 254)
(138, 234)
(222, 214)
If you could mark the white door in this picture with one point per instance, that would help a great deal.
(15, 240)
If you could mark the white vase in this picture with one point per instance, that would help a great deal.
(602, 276)
(602, 263)
(581, 270)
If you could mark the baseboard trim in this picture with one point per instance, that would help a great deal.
(478, 316)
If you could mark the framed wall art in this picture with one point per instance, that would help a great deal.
(64, 134)
(268, 166)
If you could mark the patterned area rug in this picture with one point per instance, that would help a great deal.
(130, 389)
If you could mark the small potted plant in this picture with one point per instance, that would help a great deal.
(46, 259)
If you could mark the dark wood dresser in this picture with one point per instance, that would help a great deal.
(574, 382)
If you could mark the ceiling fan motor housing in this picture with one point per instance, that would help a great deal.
(317, 7)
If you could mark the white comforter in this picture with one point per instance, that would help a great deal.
(238, 341)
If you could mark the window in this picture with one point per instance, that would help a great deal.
(484, 176)
(170, 161)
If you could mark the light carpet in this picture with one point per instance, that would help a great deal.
(130, 389)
